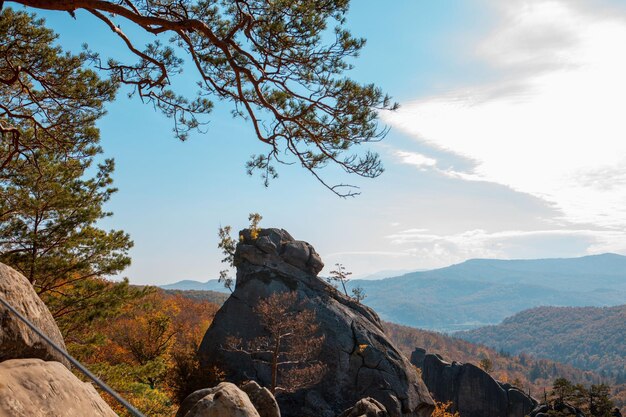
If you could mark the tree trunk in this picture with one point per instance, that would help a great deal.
(275, 365)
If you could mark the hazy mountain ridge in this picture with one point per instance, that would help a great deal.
(589, 338)
(480, 292)
(191, 285)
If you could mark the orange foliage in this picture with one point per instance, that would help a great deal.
(442, 410)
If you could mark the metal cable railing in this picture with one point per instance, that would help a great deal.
(73, 361)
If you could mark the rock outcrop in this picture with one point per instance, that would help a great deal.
(418, 356)
(16, 339)
(367, 407)
(545, 410)
(262, 399)
(472, 391)
(34, 388)
(360, 360)
(223, 400)
(35, 380)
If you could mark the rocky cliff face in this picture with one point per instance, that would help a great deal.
(360, 360)
(35, 380)
(472, 391)
(16, 339)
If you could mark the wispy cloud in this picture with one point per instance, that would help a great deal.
(416, 159)
(552, 122)
(442, 249)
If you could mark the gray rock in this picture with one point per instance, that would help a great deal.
(16, 339)
(262, 399)
(266, 245)
(276, 246)
(520, 404)
(545, 410)
(360, 360)
(315, 264)
(417, 357)
(192, 399)
(34, 388)
(223, 400)
(472, 391)
(296, 253)
(367, 407)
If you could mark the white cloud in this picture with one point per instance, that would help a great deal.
(416, 159)
(434, 250)
(553, 124)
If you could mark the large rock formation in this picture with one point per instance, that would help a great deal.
(34, 388)
(30, 387)
(472, 391)
(359, 358)
(16, 339)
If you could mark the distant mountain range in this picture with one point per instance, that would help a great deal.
(592, 338)
(482, 292)
(189, 285)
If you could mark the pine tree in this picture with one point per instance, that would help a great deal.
(282, 65)
(52, 197)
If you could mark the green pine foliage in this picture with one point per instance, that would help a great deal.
(52, 194)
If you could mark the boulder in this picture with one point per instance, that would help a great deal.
(34, 388)
(16, 339)
(223, 400)
(417, 357)
(367, 407)
(360, 360)
(519, 403)
(472, 391)
(262, 399)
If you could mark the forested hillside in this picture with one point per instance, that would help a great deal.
(201, 295)
(522, 370)
(586, 337)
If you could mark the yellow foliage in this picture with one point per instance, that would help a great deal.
(362, 348)
(441, 410)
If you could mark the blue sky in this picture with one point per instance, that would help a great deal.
(509, 143)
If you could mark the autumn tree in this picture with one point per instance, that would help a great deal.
(486, 365)
(290, 345)
(227, 244)
(148, 352)
(443, 410)
(282, 65)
